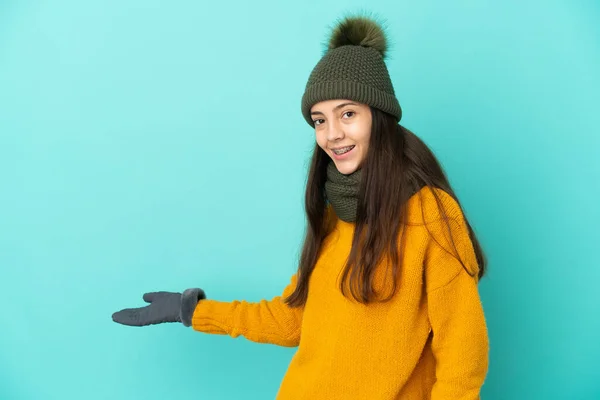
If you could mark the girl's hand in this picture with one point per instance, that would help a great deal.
(164, 307)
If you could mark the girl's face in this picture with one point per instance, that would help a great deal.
(343, 130)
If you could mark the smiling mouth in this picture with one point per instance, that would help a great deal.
(342, 150)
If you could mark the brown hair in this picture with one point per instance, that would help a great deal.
(394, 151)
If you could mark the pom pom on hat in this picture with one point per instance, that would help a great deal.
(359, 31)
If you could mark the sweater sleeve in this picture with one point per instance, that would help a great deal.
(460, 339)
(266, 321)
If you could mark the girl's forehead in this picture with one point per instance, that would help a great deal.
(333, 103)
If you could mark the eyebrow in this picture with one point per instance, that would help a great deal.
(336, 107)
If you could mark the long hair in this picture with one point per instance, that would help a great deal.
(394, 151)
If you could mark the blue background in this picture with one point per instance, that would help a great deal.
(149, 145)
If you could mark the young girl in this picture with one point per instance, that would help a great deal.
(385, 302)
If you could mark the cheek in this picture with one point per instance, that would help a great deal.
(367, 134)
(365, 137)
(321, 141)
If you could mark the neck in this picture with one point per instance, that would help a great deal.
(342, 192)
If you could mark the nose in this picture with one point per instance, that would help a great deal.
(334, 132)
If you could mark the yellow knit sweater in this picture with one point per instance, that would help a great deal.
(429, 342)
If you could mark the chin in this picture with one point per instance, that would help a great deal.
(346, 169)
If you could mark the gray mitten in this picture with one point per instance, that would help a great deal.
(164, 307)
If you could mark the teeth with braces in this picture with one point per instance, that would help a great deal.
(343, 150)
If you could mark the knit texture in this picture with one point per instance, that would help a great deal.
(342, 192)
(429, 342)
(351, 72)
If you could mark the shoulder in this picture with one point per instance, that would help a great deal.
(432, 204)
(449, 249)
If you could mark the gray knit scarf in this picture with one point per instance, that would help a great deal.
(342, 192)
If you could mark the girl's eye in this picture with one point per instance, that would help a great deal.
(349, 112)
(317, 122)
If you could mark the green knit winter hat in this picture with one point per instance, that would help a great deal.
(353, 68)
